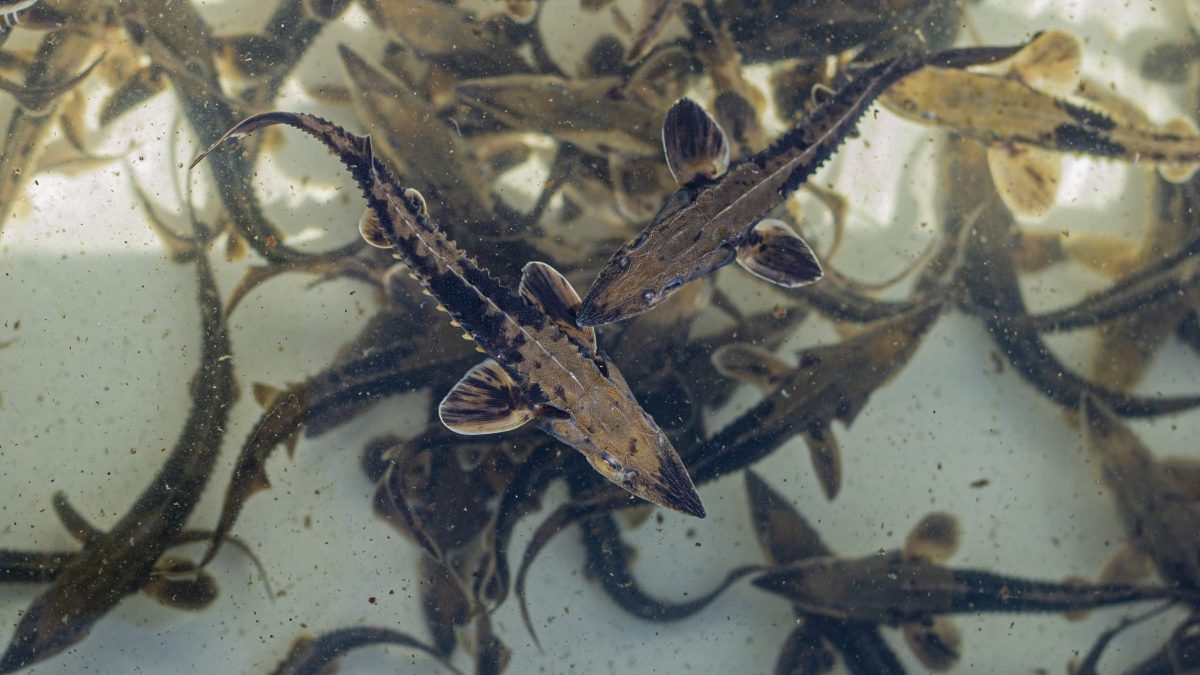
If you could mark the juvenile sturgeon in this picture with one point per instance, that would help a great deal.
(542, 367)
(119, 562)
(714, 217)
(894, 588)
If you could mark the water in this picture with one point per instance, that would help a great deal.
(102, 336)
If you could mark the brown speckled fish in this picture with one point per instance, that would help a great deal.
(542, 367)
(716, 216)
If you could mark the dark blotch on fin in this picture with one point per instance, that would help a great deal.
(550, 292)
(694, 144)
(485, 401)
(774, 252)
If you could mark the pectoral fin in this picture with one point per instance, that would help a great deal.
(637, 185)
(485, 401)
(1185, 472)
(1127, 566)
(806, 651)
(1026, 178)
(1179, 172)
(826, 459)
(1114, 257)
(751, 364)
(739, 117)
(179, 584)
(470, 456)
(694, 143)
(635, 517)
(772, 251)
(784, 535)
(935, 538)
(936, 643)
(371, 230)
(551, 293)
(1050, 63)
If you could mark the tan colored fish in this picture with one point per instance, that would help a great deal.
(913, 588)
(580, 112)
(1026, 114)
(542, 367)
(817, 389)
(1154, 500)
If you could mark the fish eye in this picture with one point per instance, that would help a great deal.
(611, 461)
(623, 261)
(680, 199)
(601, 365)
(649, 296)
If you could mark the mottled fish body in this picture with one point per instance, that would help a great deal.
(543, 368)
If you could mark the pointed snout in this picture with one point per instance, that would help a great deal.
(673, 488)
(593, 314)
(599, 307)
(687, 503)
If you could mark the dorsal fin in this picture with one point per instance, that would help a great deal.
(551, 293)
(661, 78)
(485, 401)
(366, 153)
(772, 251)
(694, 143)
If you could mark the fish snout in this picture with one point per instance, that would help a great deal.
(673, 487)
(600, 306)
(592, 314)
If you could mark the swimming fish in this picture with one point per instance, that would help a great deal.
(542, 367)
(714, 218)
